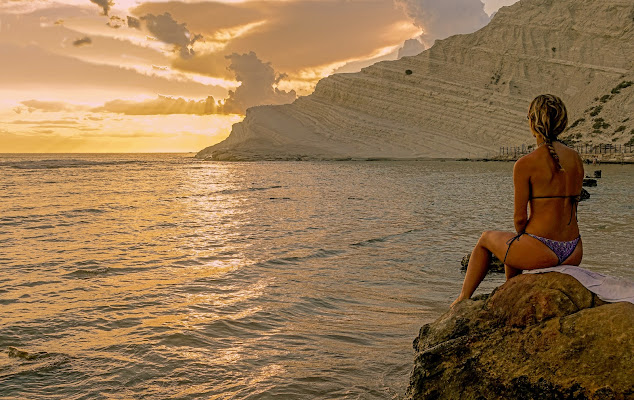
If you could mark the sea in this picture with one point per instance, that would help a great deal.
(160, 276)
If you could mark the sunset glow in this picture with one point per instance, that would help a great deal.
(64, 61)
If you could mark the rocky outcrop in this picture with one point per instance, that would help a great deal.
(585, 195)
(465, 96)
(589, 182)
(538, 336)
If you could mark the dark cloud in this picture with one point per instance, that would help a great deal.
(104, 4)
(133, 22)
(168, 30)
(258, 80)
(116, 22)
(440, 19)
(82, 41)
(160, 105)
(411, 47)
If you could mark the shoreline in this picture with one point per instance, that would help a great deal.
(587, 160)
(601, 158)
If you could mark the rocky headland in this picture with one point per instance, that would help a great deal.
(538, 336)
(466, 96)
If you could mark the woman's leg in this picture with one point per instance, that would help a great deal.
(526, 253)
(480, 259)
(511, 272)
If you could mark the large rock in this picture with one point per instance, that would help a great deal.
(538, 336)
(466, 96)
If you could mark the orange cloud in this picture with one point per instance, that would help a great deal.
(162, 133)
(82, 41)
(292, 35)
(160, 105)
(35, 69)
(47, 106)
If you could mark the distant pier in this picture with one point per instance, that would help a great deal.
(603, 153)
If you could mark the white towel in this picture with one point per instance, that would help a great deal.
(608, 288)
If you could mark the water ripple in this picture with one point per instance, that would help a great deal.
(157, 276)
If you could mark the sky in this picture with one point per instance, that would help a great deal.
(173, 76)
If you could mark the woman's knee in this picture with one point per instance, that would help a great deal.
(485, 238)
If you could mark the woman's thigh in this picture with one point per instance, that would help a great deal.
(524, 253)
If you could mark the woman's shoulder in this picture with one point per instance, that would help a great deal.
(569, 154)
(531, 159)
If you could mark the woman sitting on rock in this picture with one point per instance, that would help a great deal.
(548, 180)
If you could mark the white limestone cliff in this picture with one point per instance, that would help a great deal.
(464, 97)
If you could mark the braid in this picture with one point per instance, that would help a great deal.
(553, 154)
(549, 118)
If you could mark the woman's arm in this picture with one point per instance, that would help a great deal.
(521, 183)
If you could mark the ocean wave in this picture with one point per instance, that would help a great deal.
(321, 253)
(14, 352)
(27, 363)
(385, 238)
(87, 273)
(251, 189)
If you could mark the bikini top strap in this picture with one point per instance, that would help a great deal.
(555, 197)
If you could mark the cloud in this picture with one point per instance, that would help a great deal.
(258, 84)
(48, 106)
(40, 71)
(167, 30)
(104, 4)
(115, 61)
(298, 37)
(82, 41)
(133, 22)
(440, 19)
(161, 105)
(56, 122)
(492, 6)
(116, 22)
(411, 47)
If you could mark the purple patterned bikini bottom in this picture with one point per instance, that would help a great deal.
(562, 250)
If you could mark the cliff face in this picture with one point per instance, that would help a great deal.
(466, 96)
(541, 336)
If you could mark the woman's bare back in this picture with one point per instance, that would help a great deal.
(554, 218)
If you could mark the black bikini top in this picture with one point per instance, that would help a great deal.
(575, 202)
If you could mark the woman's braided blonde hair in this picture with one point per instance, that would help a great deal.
(548, 118)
